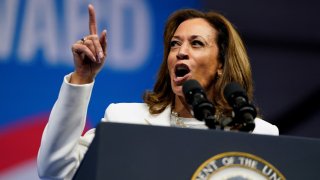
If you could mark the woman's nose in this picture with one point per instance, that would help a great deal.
(183, 52)
(181, 56)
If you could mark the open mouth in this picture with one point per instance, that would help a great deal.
(181, 70)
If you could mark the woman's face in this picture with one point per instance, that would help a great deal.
(193, 55)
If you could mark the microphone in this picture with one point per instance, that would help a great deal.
(202, 108)
(244, 111)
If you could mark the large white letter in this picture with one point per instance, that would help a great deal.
(39, 31)
(130, 34)
(8, 14)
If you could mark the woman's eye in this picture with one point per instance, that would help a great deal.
(197, 43)
(174, 43)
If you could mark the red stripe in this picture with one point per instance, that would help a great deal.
(20, 142)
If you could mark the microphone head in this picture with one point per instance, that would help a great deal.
(189, 88)
(233, 90)
(202, 108)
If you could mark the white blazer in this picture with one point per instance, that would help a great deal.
(127, 113)
(62, 146)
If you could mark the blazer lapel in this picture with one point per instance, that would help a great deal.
(162, 119)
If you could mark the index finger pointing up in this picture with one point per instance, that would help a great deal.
(92, 20)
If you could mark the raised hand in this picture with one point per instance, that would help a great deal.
(89, 53)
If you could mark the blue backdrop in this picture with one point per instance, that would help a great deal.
(35, 54)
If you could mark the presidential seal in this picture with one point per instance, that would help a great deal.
(237, 166)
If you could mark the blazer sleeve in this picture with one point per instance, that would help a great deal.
(62, 147)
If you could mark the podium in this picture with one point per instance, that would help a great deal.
(126, 151)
